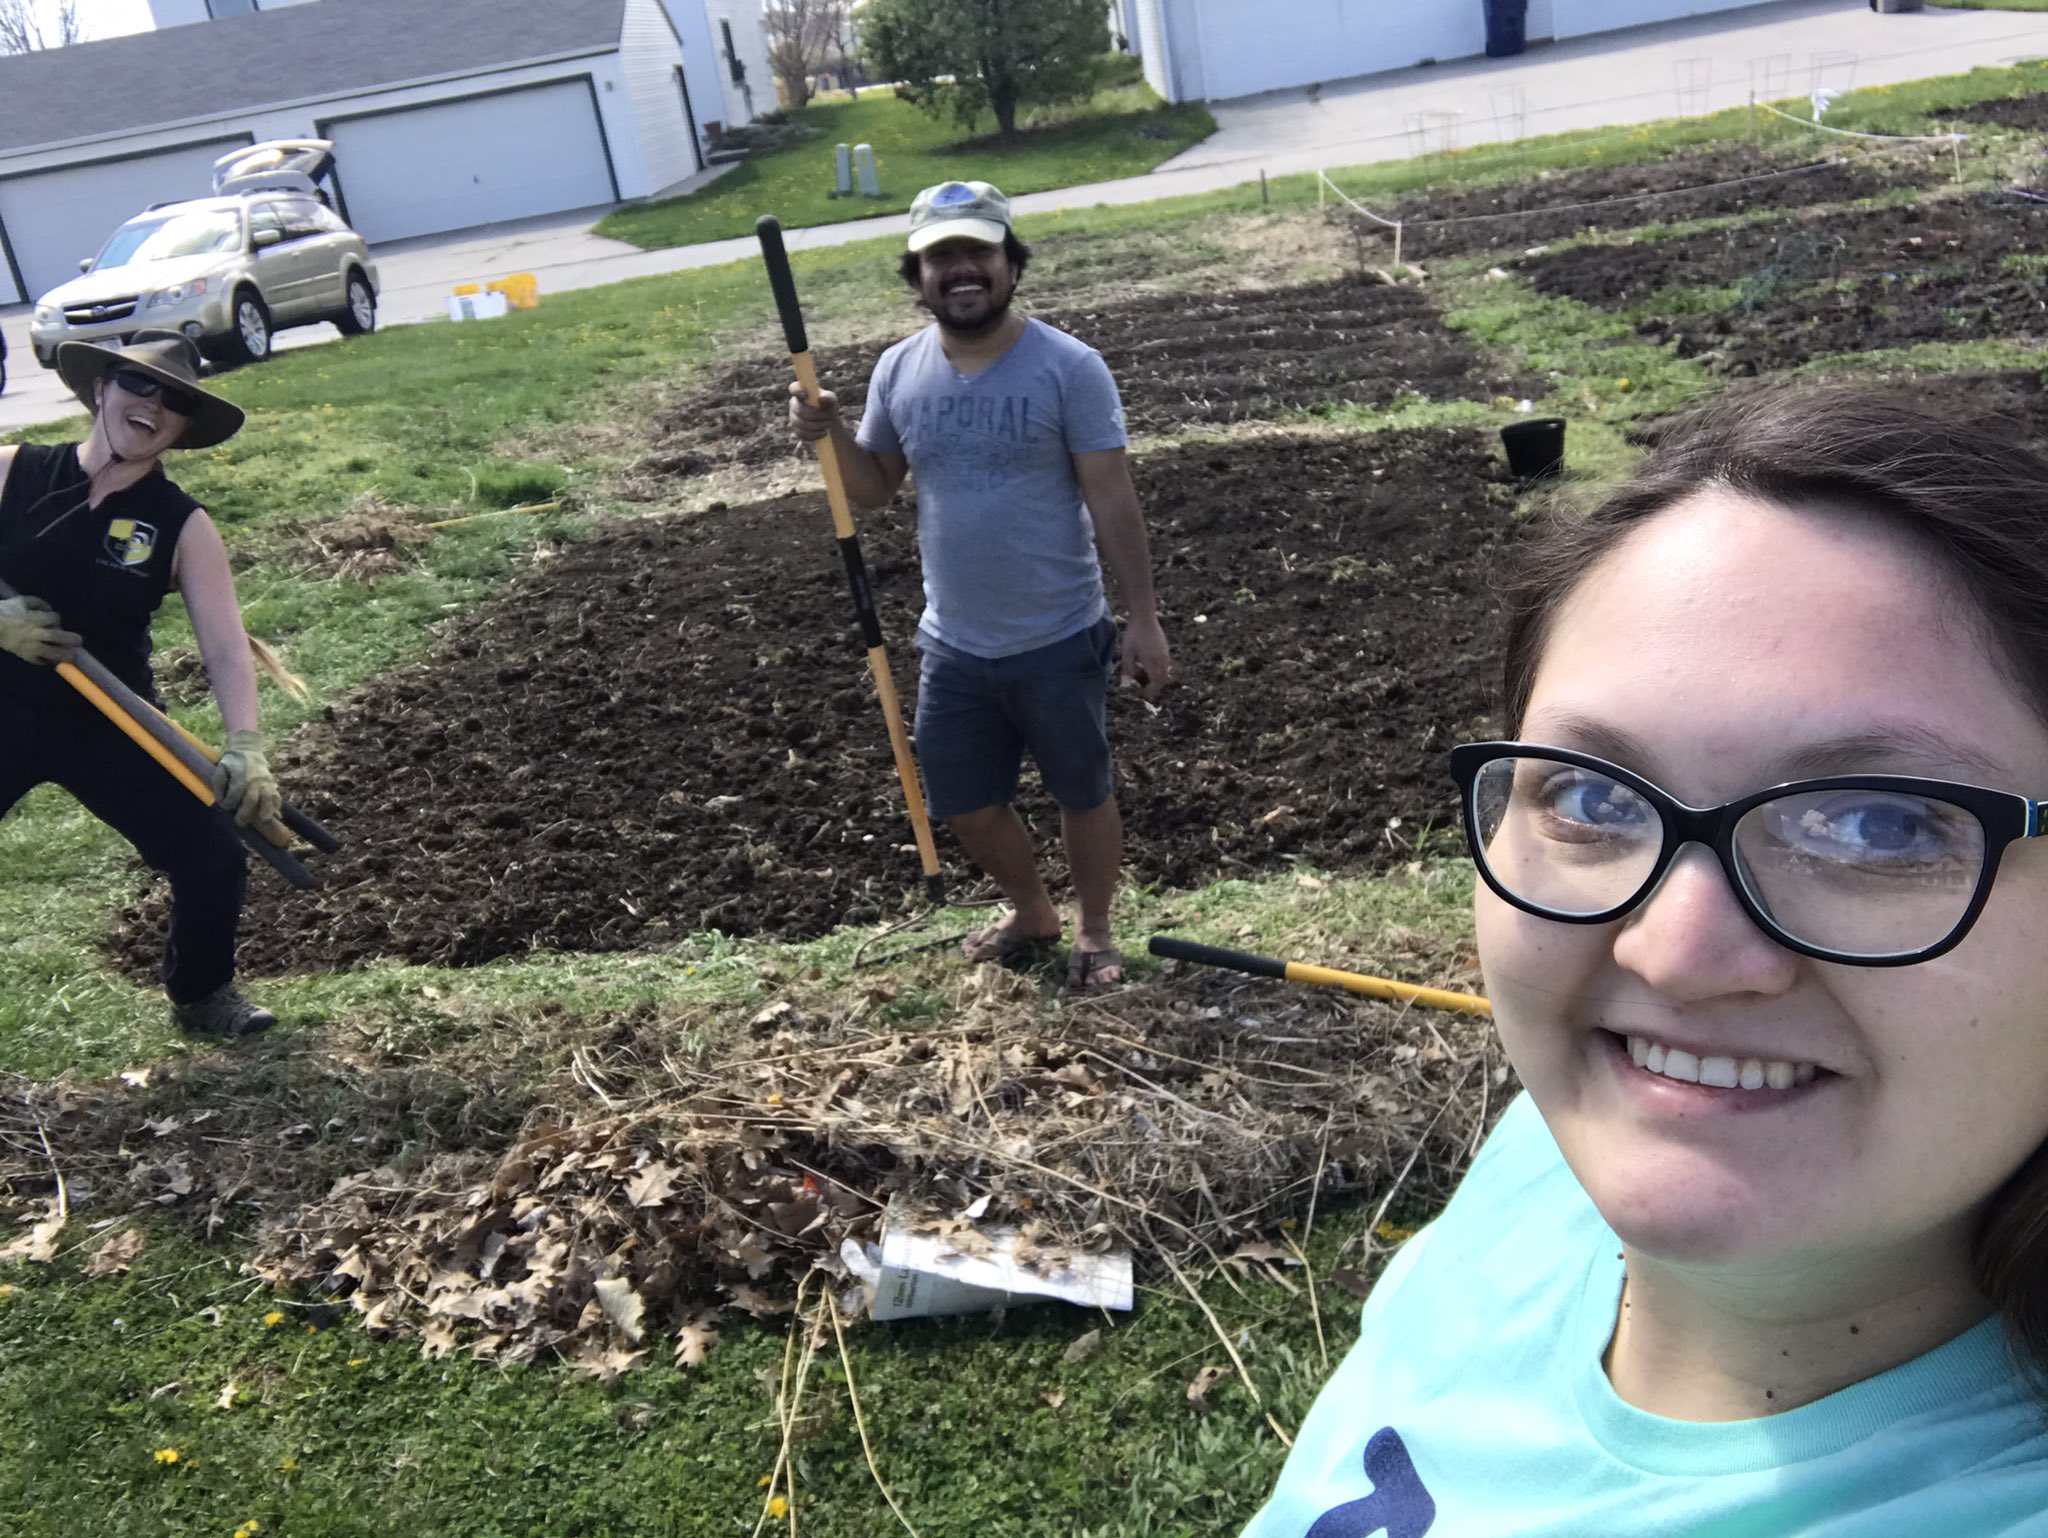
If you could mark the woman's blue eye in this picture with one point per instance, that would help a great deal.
(1877, 830)
(1596, 803)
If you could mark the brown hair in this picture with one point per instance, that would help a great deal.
(1973, 496)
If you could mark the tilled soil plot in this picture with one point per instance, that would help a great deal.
(2024, 112)
(1179, 360)
(1515, 215)
(2016, 397)
(670, 728)
(1848, 282)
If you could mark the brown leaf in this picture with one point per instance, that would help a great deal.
(1353, 1281)
(1082, 1349)
(623, 1306)
(1053, 1398)
(228, 1395)
(1200, 1385)
(117, 1254)
(652, 1186)
(439, 1338)
(39, 1244)
(1258, 1250)
(695, 1339)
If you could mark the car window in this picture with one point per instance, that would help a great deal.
(168, 235)
(264, 216)
(300, 218)
(329, 221)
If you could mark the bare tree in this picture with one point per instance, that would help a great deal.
(800, 37)
(22, 29)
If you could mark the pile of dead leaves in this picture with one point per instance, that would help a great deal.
(670, 1174)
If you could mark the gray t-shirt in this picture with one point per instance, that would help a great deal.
(1008, 546)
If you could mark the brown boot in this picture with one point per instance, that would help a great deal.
(223, 1012)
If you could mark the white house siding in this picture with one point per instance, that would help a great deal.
(649, 57)
(1575, 18)
(55, 217)
(473, 160)
(1151, 45)
(701, 64)
(744, 101)
(1251, 48)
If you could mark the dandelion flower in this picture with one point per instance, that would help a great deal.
(289, 1466)
(167, 1455)
(273, 1319)
(777, 1507)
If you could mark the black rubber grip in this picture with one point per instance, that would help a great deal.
(863, 595)
(769, 231)
(1216, 956)
(308, 829)
(935, 888)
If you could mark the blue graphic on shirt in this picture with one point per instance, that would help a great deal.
(1399, 1506)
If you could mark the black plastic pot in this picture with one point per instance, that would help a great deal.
(1535, 448)
(1507, 27)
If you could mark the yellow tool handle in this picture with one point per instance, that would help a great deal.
(133, 730)
(1325, 977)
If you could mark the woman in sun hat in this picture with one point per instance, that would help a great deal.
(92, 537)
(1763, 1249)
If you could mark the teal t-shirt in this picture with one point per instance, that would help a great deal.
(1474, 1406)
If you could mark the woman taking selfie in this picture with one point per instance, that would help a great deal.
(93, 535)
(1763, 1248)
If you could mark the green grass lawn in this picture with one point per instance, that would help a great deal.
(980, 1426)
(1123, 130)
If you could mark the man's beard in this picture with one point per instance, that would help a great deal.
(997, 310)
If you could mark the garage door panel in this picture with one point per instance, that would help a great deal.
(55, 217)
(1251, 48)
(450, 165)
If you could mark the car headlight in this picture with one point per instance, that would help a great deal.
(46, 315)
(177, 293)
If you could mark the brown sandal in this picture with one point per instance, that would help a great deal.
(1084, 969)
(1006, 947)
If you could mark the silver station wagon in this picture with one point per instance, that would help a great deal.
(229, 271)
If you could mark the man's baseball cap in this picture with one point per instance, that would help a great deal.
(959, 211)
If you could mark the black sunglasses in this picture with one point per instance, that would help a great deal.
(1871, 870)
(148, 386)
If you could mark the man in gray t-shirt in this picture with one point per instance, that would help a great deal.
(1015, 434)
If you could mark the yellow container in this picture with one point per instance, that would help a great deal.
(461, 289)
(521, 290)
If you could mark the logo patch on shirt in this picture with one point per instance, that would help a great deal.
(129, 542)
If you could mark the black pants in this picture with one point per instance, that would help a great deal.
(67, 743)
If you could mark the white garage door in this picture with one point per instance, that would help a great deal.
(536, 150)
(52, 218)
(1575, 18)
(1248, 48)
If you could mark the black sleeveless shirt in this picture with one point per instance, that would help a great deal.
(103, 569)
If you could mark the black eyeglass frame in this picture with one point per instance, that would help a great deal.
(2005, 817)
(174, 399)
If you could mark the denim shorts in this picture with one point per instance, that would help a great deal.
(976, 717)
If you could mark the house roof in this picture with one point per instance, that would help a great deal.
(292, 53)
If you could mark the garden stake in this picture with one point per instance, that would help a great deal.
(779, 279)
(1326, 977)
(178, 758)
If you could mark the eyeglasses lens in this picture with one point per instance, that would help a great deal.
(1564, 838)
(1863, 872)
(1858, 872)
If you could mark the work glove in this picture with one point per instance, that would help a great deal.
(30, 629)
(244, 785)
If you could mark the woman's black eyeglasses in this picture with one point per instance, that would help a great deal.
(1871, 870)
(146, 386)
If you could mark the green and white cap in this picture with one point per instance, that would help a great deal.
(959, 211)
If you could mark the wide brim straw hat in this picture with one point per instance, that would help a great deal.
(166, 357)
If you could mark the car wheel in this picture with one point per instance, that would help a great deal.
(249, 341)
(360, 315)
